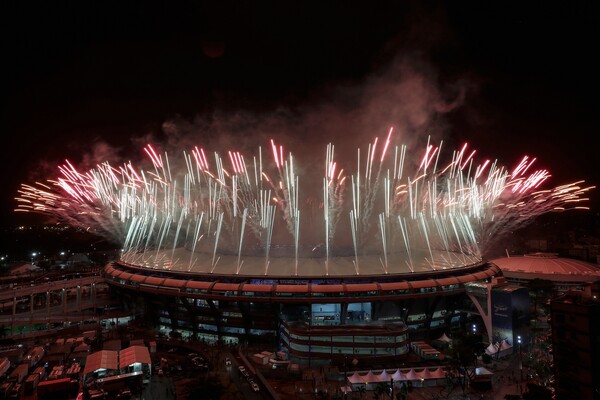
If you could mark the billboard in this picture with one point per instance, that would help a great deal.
(510, 310)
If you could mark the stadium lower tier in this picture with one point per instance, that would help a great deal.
(362, 316)
(382, 340)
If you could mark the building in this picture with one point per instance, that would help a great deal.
(575, 320)
(43, 303)
(503, 308)
(547, 275)
(309, 316)
(510, 313)
(564, 273)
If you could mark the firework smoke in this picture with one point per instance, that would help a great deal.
(230, 203)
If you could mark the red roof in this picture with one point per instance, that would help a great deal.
(103, 359)
(134, 354)
(548, 266)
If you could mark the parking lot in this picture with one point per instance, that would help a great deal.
(190, 371)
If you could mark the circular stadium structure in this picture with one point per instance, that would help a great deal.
(374, 247)
(312, 315)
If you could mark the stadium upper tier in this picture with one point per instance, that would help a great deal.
(297, 288)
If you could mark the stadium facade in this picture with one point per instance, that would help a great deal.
(310, 316)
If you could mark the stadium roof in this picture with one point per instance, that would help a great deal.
(548, 266)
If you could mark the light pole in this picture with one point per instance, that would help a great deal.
(345, 376)
(520, 364)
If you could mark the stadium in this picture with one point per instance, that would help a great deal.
(358, 261)
(564, 274)
(369, 315)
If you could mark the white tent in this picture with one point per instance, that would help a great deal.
(438, 373)
(370, 377)
(398, 375)
(384, 376)
(427, 378)
(505, 345)
(425, 374)
(482, 371)
(504, 349)
(420, 377)
(412, 375)
(491, 349)
(444, 338)
(355, 378)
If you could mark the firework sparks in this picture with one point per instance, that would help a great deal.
(254, 207)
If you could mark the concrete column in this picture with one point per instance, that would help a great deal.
(343, 313)
(78, 298)
(93, 294)
(484, 307)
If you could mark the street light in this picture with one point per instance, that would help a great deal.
(345, 376)
(520, 363)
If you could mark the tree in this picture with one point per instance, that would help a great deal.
(402, 392)
(462, 354)
(540, 289)
(536, 392)
(362, 390)
(539, 360)
(382, 388)
(486, 358)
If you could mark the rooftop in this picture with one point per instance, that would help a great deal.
(548, 266)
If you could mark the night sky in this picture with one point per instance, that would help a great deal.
(95, 80)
